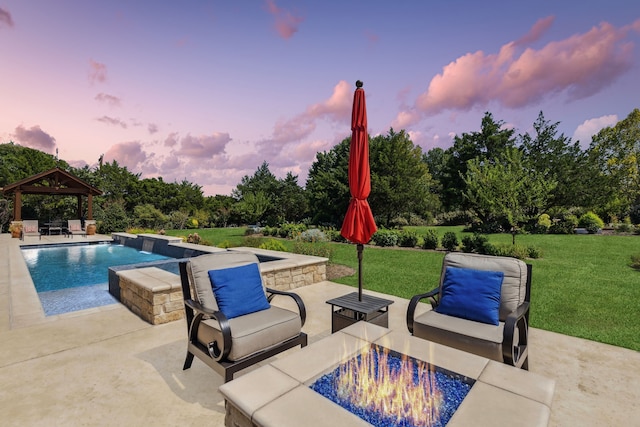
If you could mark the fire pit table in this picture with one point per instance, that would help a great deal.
(280, 393)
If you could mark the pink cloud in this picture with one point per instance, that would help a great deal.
(112, 121)
(285, 22)
(129, 154)
(152, 128)
(202, 147)
(336, 108)
(35, 138)
(112, 101)
(538, 29)
(5, 18)
(97, 72)
(578, 66)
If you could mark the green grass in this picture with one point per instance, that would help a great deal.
(583, 285)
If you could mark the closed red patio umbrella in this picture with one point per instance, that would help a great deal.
(359, 225)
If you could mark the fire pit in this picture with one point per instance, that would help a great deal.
(460, 389)
(386, 388)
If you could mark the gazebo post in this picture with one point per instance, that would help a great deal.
(79, 206)
(90, 206)
(17, 206)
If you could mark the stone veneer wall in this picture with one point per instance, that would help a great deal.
(292, 278)
(155, 295)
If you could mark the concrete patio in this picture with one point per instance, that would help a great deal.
(106, 366)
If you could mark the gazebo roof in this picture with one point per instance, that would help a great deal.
(55, 181)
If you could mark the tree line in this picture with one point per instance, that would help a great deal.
(492, 179)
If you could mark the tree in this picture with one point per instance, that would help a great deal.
(504, 193)
(327, 186)
(615, 151)
(253, 206)
(557, 159)
(292, 202)
(485, 146)
(400, 181)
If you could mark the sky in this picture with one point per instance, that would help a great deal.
(206, 91)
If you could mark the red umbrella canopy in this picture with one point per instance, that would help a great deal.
(359, 225)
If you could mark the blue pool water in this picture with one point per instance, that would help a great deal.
(75, 277)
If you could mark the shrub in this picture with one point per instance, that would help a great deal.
(335, 236)
(430, 240)
(634, 214)
(313, 235)
(477, 243)
(624, 228)
(450, 241)
(252, 241)
(635, 261)
(224, 244)
(320, 249)
(408, 239)
(534, 252)
(385, 238)
(273, 245)
(564, 224)
(194, 238)
(591, 222)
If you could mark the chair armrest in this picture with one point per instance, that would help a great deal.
(216, 351)
(515, 321)
(296, 298)
(432, 295)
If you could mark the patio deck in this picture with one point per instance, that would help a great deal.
(106, 366)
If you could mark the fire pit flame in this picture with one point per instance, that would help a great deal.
(405, 391)
(386, 388)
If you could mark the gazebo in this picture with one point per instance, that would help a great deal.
(57, 182)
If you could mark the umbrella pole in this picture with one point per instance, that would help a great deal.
(360, 248)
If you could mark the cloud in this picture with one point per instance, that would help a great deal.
(112, 121)
(337, 108)
(538, 29)
(202, 147)
(516, 76)
(588, 128)
(35, 138)
(129, 154)
(97, 72)
(112, 101)
(285, 22)
(5, 18)
(152, 128)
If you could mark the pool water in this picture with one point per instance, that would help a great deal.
(75, 277)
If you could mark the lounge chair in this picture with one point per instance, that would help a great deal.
(30, 228)
(74, 227)
(481, 306)
(231, 324)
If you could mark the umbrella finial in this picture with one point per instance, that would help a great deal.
(359, 83)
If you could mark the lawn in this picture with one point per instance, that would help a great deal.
(582, 286)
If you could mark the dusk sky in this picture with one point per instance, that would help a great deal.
(208, 90)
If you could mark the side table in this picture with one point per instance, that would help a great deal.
(348, 309)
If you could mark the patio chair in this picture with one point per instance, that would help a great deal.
(30, 228)
(74, 227)
(481, 306)
(55, 227)
(230, 323)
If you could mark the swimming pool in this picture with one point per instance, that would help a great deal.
(74, 277)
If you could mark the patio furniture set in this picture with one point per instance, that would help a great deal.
(31, 228)
(480, 307)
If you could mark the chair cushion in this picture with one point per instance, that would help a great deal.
(254, 332)
(471, 294)
(238, 290)
(198, 272)
(466, 335)
(514, 284)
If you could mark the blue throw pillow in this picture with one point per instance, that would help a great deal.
(471, 294)
(238, 290)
